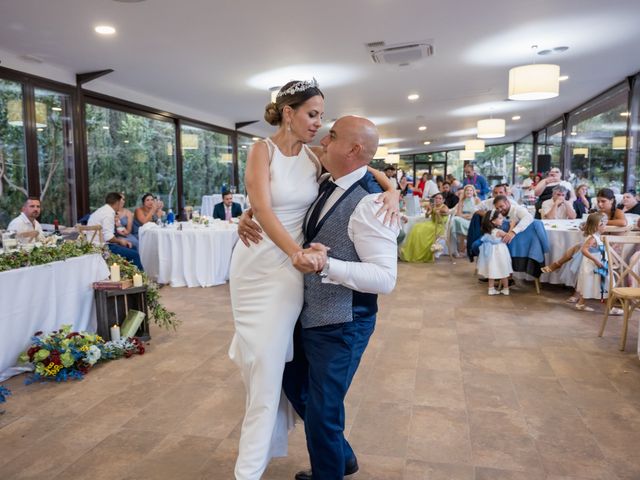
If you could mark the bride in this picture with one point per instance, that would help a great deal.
(281, 178)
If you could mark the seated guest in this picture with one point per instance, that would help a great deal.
(582, 203)
(455, 183)
(227, 209)
(630, 203)
(464, 211)
(27, 221)
(422, 237)
(544, 188)
(606, 201)
(105, 216)
(498, 189)
(450, 198)
(527, 183)
(124, 224)
(392, 174)
(558, 207)
(150, 211)
(517, 215)
(430, 187)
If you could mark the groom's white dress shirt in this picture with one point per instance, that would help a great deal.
(375, 243)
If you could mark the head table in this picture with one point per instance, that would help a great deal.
(210, 201)
(43, 298)
(187, 254)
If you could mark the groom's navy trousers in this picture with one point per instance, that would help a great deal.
(316, 382)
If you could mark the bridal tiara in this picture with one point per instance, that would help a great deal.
(298, 87)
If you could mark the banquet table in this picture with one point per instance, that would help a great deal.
(193, 256)
(43, 298)
(562, 235)
(210, 201)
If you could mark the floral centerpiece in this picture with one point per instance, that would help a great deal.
(63, 354)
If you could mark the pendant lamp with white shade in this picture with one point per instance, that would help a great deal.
(474, 146)
(491, 128)
(534, 82)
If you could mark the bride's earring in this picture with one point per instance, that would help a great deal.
(288, 127)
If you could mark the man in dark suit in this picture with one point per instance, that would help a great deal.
(227, 209)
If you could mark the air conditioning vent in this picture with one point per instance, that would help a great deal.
(401, 53)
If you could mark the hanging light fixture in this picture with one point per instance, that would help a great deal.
(14, 114)
(467, 155)
(474, 146)
(619, 142)
(491, 128)
(189, 141)
(581, 151)
(381, 152)
(392, 158)
(535, 81)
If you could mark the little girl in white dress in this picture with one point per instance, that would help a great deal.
(494, 260)
(592, 275)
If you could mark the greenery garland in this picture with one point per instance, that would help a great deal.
(48, 254)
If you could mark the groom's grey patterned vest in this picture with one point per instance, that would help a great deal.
(326, 303)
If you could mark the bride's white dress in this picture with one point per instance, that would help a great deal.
(266, 297)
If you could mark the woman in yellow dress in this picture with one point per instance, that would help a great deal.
(418, 247)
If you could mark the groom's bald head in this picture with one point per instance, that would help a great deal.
(350, 144)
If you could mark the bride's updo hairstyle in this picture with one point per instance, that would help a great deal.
(293, 94)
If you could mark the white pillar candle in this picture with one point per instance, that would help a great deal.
(137, 280)
(115, 272)
(115, 333)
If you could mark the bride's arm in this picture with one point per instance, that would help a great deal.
(390, 198)
(257, 181)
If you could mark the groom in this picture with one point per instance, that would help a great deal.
(340, 300)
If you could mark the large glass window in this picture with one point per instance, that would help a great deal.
(207, 163)
(495, 163)
(244, 144)
(130, 153)
(455, 166)
(554, 144)
(597, 141)
(524, 159)
(55, 155)
(13, 171)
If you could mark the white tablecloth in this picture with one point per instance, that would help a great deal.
(196, 256)
(562, 235)
(210, 201)
(44, 298)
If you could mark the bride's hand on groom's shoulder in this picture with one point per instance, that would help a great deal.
(390, 207)
(248, 230)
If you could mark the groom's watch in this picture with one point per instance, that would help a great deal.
(324, 273)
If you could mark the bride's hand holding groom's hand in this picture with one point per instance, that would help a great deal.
(310, 260)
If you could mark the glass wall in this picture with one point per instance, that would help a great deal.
(496, 163)
(597, 142)
(206, 160)
(244, 144)
(55, 156)
(13, 169)
(455, 166)
(130, 153)
(554, 144)
(524, 159)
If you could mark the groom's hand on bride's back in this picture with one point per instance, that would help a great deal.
(248, 230)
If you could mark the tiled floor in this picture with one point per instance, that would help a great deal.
(454, 385)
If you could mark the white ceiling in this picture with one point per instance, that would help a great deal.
(216, 60)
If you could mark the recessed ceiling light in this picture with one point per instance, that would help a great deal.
(562, 78)
(427, 142)
(105, 30)
(56, 109)
(516, 117)
(106, 127)
(413, 97)
(40, 129)
(625, 114)
(422, 128)
(255, 139)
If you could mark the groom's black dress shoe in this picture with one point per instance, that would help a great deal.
(350, 468)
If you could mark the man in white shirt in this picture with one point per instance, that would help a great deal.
(430, 188)
(498, 189)
(392, 174)
(558, 207)
(27, 221)
(105, 216)
(518, 215)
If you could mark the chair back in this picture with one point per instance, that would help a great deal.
(624, 260)
(90, 233)
(27, 237)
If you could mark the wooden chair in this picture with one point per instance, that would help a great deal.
(94, 230)
(27, 237)
(622, 273)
